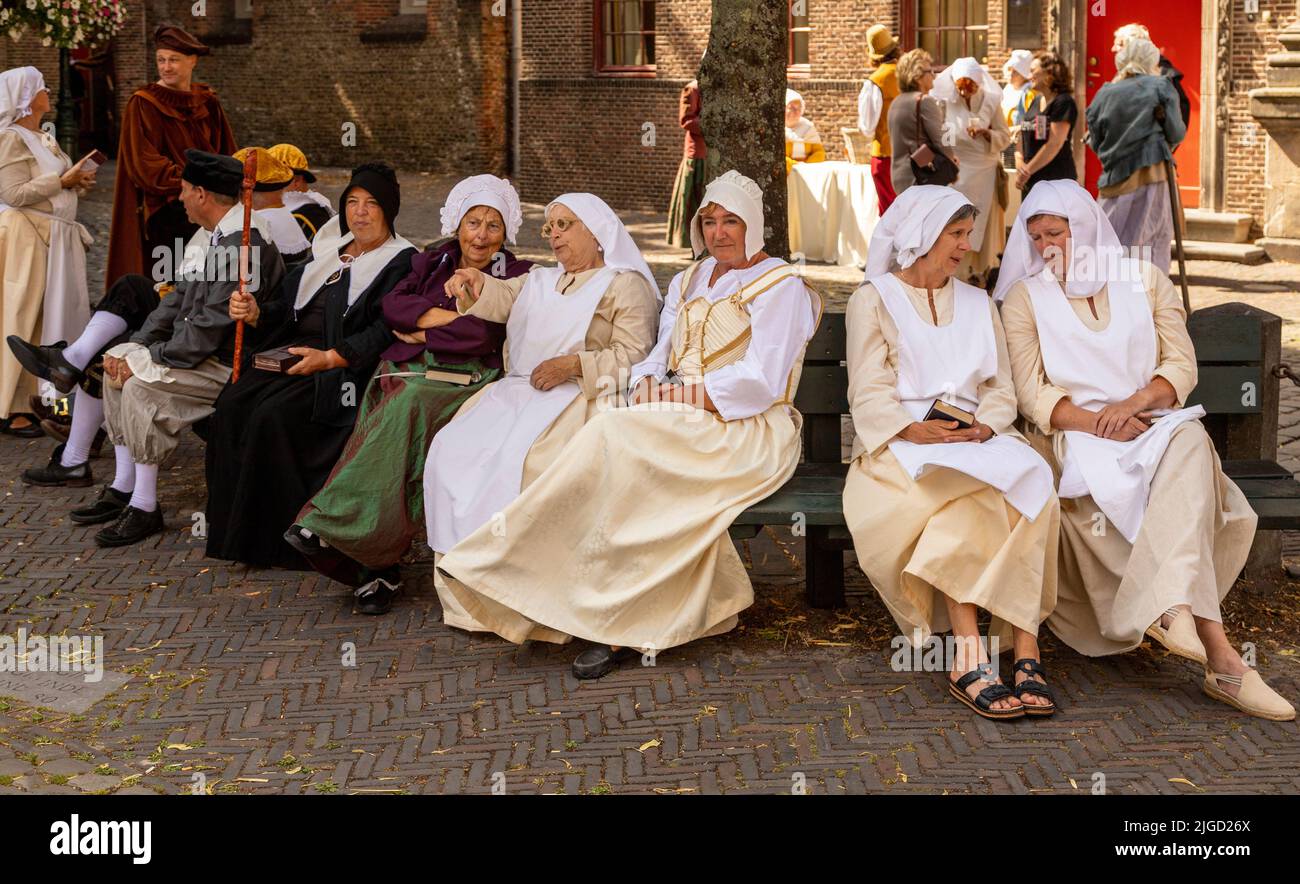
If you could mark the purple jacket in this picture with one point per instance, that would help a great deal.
(461, 339)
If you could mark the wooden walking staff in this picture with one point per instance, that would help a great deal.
(246, 196)
(1176, 209)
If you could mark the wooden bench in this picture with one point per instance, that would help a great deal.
(1236, 346)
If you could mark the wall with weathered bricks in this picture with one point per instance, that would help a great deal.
(436, 103)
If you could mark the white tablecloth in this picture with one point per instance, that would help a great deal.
(832, 208)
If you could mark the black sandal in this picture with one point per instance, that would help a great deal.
(983, 702)
(1032, 667)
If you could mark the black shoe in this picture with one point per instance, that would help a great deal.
(55, 474)
(31, 431)
(105, 508)
(47, 363)
(324, 559)
(600, 660)
(376, 597)
(131, 527)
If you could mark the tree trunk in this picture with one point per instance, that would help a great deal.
(742, 97)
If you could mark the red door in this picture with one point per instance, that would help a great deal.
(1175, 27)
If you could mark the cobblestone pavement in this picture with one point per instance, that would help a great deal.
(238, 681)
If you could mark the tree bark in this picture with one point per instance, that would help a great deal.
(742, 98)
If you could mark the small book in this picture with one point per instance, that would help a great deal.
(93, 160)
(459, 376)
(946, 411)
(280, 360)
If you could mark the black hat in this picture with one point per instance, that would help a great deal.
(213, 171)
(381, 182)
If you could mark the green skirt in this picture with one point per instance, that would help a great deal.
(372, 505)
(688, 190)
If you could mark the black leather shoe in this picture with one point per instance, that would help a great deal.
(131, 527)
(105, 508)
(55, 474)
(324, 559)
(47, 363)
(600, 660)
(376, 597)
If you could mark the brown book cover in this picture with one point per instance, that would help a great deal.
(280, 360)
(946, 411)
(459, 376)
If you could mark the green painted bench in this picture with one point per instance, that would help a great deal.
(1237, 347)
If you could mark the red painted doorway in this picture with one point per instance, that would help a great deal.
(1175, 27)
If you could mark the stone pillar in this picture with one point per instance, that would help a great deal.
(1277, 108)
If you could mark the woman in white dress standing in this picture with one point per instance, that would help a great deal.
(1153, 533)
(946, 520)
(42, 247)
(972, 106)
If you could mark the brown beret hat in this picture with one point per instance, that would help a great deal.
(172, 37)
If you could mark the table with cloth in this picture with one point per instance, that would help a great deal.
(832, 211)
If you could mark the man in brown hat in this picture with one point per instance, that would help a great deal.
(878, 93)
(161, 121)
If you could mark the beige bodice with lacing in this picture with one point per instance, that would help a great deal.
(709, 335)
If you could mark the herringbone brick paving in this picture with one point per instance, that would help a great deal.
(239, 677)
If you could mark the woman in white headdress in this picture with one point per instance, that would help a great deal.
(803, 143)
(1019, 91)
(950, 510)
(573, 333)
(1153, 533)
(971, 100)
(42, 247)
(623, 541)
(372, 506)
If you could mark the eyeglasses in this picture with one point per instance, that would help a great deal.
(558, 225)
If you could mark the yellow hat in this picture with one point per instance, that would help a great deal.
(295, 159)
(272, 174)
(879, 42)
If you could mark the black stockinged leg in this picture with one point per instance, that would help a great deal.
(824, 567)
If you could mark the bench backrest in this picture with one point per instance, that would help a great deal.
(823, 394)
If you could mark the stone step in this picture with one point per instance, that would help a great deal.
(1206, 226)
(1236, 252)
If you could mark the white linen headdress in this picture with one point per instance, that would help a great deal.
(621, 253)
(18, 88)
(482, 190)
(1094, 246)
(791, 95)
(910, 226)
(1137, 56)
(1018, 62)
(945, 85)
(737, 194)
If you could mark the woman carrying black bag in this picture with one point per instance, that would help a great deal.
(916, 127)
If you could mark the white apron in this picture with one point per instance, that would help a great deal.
(66, 307)
(1100, 368)
(950, 362)
(476, 463)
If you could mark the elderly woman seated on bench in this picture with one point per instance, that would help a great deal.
(951, 511)
(1154, 534)
(623, 541)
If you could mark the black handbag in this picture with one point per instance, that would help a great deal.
(930, 166)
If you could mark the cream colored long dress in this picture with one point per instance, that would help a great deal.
(1197, 529)
(622, 331)
(623, 540)
(24, 252)
(944, 533)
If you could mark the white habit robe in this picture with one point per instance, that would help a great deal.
(920, 535)
(619, 331)
(977, 175)
(623, 540)
(1191, 528)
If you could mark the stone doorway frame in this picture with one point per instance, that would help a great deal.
(1216, 81)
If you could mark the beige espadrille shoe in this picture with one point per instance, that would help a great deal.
(1180, 638)
(1254, 696)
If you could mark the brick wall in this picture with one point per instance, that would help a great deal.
(1246, 140)
(436, 104)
